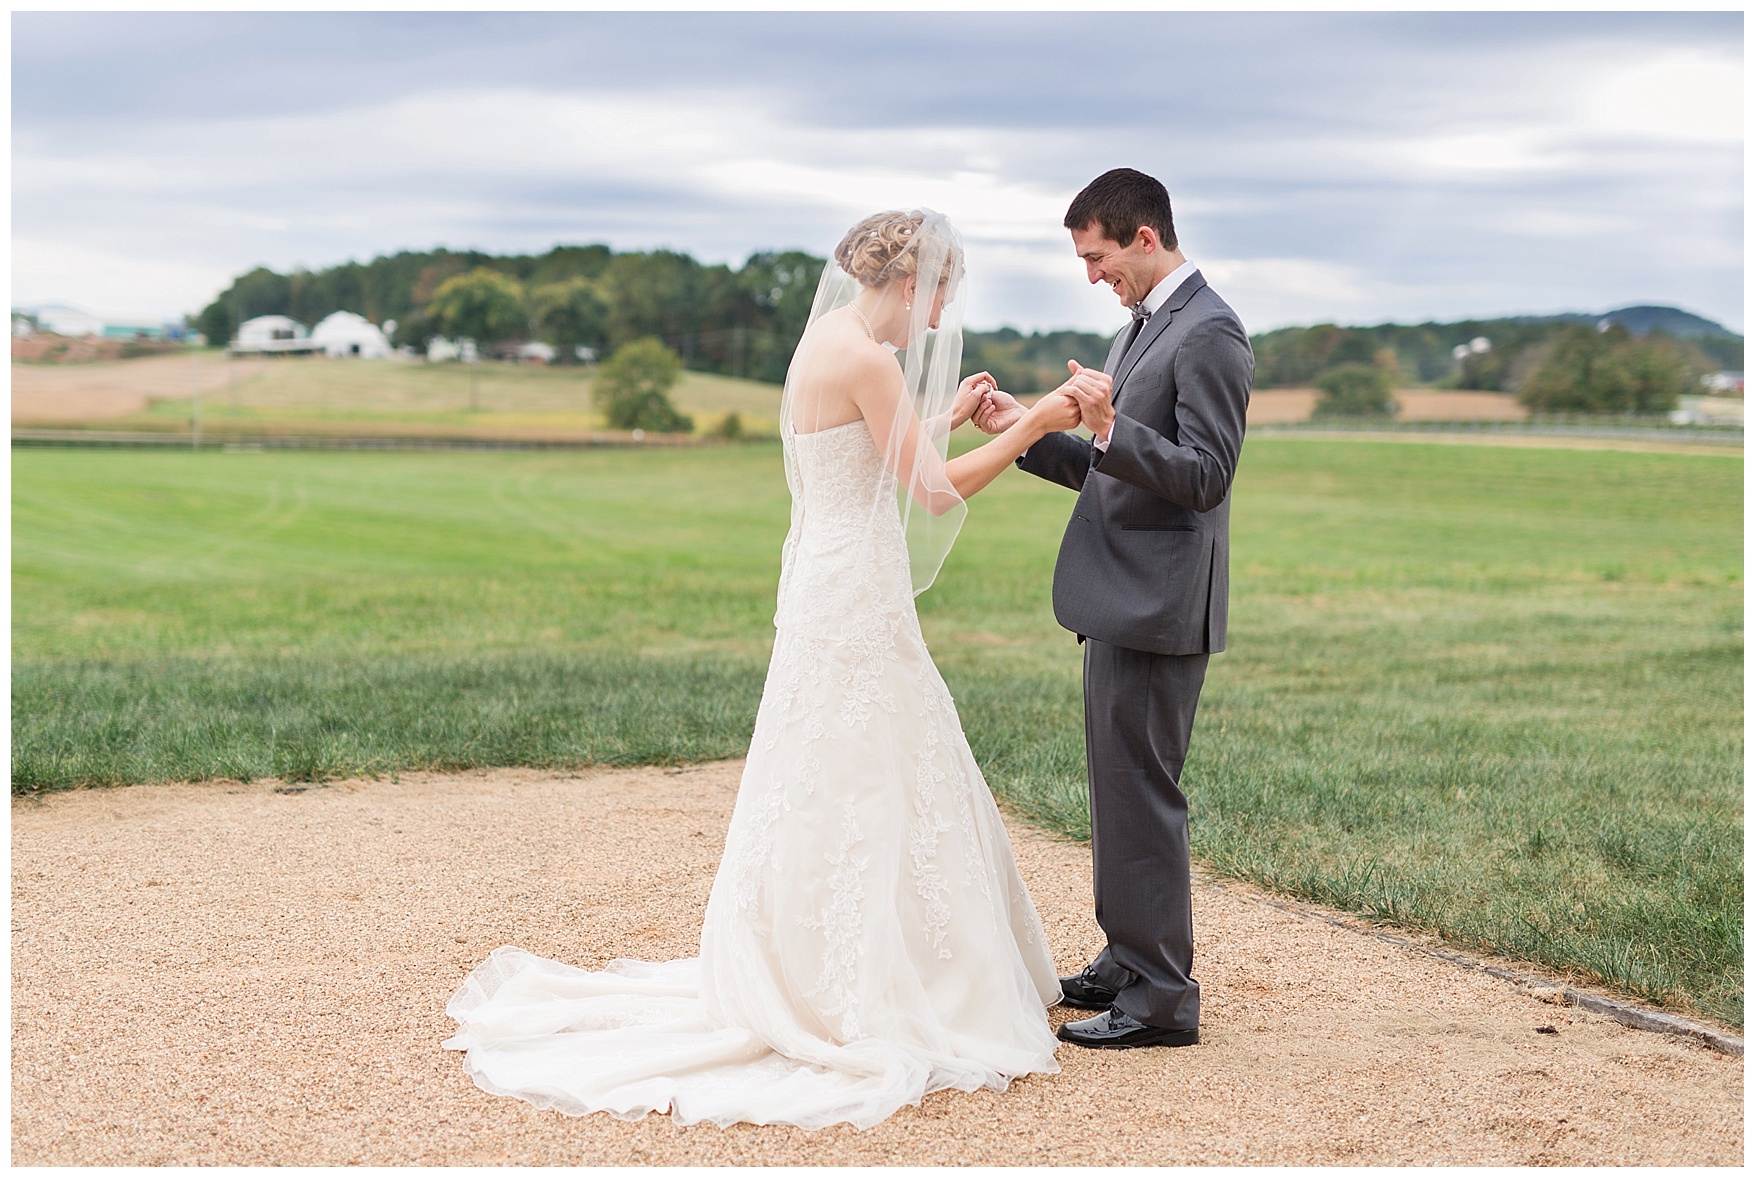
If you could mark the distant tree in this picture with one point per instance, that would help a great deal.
(779, 288)
(413, 330)
(1721, 351)
(654, 294)
(1489, 371)
(633, 388)
(570, 315)
(483, 305)
(1031, 363)
(216, 323)
(1356, 390)
(260, 292)
(564, 262)
(1610, 371)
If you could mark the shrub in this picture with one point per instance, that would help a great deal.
(1609, 371)
(633, 388)
(730, 427)
(1355, 390)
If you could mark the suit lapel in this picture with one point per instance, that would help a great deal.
(1154, 328)
(1115, 348)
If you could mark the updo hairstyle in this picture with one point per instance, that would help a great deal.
(875, 251)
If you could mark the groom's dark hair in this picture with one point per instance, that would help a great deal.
(1119, 202)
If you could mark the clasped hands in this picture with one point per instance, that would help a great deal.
(1084, 398)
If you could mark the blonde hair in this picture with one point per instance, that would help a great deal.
(875, 251)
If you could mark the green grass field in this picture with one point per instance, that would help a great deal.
(1495, 693)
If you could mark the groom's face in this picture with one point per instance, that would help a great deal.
(1126, 268)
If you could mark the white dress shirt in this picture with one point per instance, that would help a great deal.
(1154, 299)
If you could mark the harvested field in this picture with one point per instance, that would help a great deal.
(515, 401)
(107, 390)
(1451, 405)
(1290, 406)
(317, 395)
(256, 974)
(1281, 406)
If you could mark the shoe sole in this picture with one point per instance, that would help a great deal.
(1077, 1005)
(1167, 1041)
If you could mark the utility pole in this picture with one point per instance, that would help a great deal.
(231, 379)
(474, 404)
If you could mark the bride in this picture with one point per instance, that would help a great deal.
(868, 939)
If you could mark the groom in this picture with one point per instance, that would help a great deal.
(1142, 580)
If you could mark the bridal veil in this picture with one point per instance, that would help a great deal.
(914, 441)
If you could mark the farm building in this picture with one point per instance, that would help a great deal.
(441, 350)
(273, 334)
(134, 331)
(524, 351)
(61, 319)
(345, 334)
(70, 321)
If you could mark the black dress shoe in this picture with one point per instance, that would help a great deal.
(1086, 992)
(1113, 1028)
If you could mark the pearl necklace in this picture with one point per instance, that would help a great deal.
(869, 333)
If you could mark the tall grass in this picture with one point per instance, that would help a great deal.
(1495, 693)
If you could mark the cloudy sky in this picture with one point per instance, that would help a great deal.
(1343, 167)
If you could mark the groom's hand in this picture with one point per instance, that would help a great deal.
(1091, 388)
(998, 412)
(1056, 412)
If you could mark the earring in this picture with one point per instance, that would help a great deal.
(907, 306)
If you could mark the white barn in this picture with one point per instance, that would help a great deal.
(62, 319)
(345, 334)
(272, 333)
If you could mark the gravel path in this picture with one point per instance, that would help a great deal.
(230, 974)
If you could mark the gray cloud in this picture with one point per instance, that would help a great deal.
(1357, 167)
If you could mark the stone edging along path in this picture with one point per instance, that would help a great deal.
(1640, 1018)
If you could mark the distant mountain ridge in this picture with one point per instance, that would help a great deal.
(1644, 319)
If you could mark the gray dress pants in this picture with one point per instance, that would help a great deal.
(1139, 713)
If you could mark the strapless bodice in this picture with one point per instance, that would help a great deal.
(846, 556)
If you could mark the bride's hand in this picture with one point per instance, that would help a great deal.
(969, 395)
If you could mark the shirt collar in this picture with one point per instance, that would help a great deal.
(1162, 292)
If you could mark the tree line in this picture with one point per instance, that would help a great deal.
(745, 321)
(1632, 361)
(740, 322)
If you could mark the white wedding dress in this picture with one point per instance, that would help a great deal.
(868, 939)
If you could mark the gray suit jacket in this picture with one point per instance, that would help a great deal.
(1145, 562)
